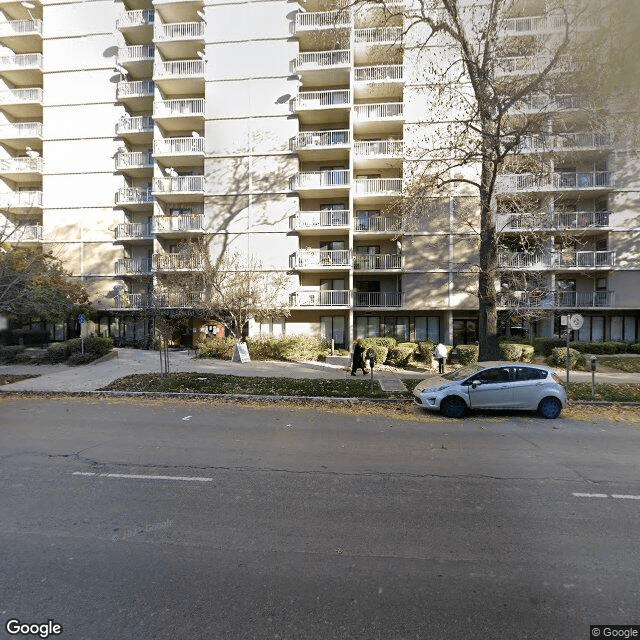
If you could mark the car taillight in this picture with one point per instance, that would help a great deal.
(557, 378)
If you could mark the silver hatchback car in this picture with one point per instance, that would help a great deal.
(494, 385)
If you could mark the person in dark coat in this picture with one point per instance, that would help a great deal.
(358, 358)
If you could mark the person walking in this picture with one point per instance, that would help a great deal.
(441, 355)
(358, 358)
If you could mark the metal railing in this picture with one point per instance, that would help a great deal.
(368, 186)
(377, 224)
(317, 179)
(379, 73)
(133, 230)
(178, 224)
(562, 180)
(178, 261)
(193, 299)
(556, 259)
(177, 146)
(179, 107)
(179, 31)
(26, 233)
(137, 159)
(10, 96)
(558, 142)
(21, 61)
(133, 266)
(305, 21)
(393, 148)
(377, 262)
(309, 258)
(134, 88)
(185, 184)
(21, 199)
(379, 35)
(134, 195)
(533, 24)
(311, 219)
(21, 28)
(317, 298)
(321, 99)
(378, 299)
(320, 59)
(19, 165)
(135, 18)
(379, 111)
(136, 52)
(543, 220)
(552, 299)
(320, 139)
(179, 68)
(134, 124)
(21, 130)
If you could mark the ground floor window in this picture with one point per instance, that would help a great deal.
(397, 327)
(332, 328)
(428, 328)
(465, 331)
(368, 327)
(273, 327)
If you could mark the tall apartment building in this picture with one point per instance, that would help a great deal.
(283, 131)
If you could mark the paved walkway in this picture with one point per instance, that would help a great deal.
(92, 377)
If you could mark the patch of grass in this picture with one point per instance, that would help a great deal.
(629, 364)
(216, 383)
(606, 392)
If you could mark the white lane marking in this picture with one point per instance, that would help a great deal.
(591, 495)
(132, 476)
(623, 497)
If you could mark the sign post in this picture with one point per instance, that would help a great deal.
(82, 319)
(574, 322)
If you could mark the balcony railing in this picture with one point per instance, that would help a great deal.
(178, 224)
(533, 24)
(378, 299)
(134, 124)
(569, 220)
(178, 146)
(21, 28)
(521, 65)
(180, 184)
(560, 142)
(21, 130)
(313, 219)
(380, 35)
(138, 159)
(21, 61)
(321, 59)
(310, 21)
(179, 31)
(377, 262)
(136, 53)
(387, 148)
(382, 111)
(378, 186)
(133, 266)
(21, 199)
(557, 260)
(159, 300)
(320, 179)
(339, 98)
(179, 68)
(178, 261)
(541, 103)
(377, 224)
(25, 233)
(133, 230)
(134, 195)
(317, 298)
(555, 299)
(135, 18)
(21, 165)
(17, 96)
(320, 139)
(563, 180)
(379, 73)
(134, 89)
(179, 107)
(310, 258)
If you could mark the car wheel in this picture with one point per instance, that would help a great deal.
(549, 408)
(453, 407)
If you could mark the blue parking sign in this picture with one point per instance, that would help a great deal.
(82, 318)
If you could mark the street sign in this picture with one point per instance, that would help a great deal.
(82, 319)
(576, 321)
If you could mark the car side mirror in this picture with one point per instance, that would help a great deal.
(476, 383)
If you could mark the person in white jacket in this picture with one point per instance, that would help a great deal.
(441, 355)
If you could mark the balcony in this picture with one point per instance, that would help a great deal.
(317, 298)
(133, 267)
(557, 261)
(377, 262)
(159, 300)
(136, 59)
(174, 189)
(133, 231)
(313, 21)
(134, 163)
(25, 234)
(180, 114)
(178, 225)
(21, 201)
(570, 142)
(179, 40)
(527, 65)
(377, 225)
(182, 151)
(382, 118)
(315, 107)
(19, 134)
(23, 103)
(21, 169)
(333, 144)
(22, 70)
(564, 181)
(21, 35)
(536, 221)
(318, 221)
(367, 155)
(378, 188)
(178, 262)
(378, 299)
(321, 183)
(541, 103)
(135, 129)
(320, 260)
(371, 43)
(533, 25)
(558, 299)
(137, 25)
(323, 67)
(180, 77)
(134, 198)
(378, 81)
(136, 94)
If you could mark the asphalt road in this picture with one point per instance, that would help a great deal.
(161, 520)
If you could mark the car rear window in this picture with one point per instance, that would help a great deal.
(530, 373)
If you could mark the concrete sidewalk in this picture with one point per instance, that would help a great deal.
(91, 377)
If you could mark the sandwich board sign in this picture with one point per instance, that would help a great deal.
(241, 353)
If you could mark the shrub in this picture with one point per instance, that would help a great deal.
(544, 346)
(78, 358)
(221, 348)
(527, 353)
(57, 352)
(400, 355)
(425, 351)
(288, 348)
(634, 348)
(600, 348)
(94, 345)
(558, 358)
(31, 337)
(467, 353)
(10, 354)
(510, 351)
(380, 350)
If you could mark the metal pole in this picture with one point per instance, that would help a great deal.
(333, 347)
(568, 329)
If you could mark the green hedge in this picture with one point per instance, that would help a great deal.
(467, 353)
(558, 358)
(544, 346)
(515, 352)
(600, 348)
(401, 354)
(95, 346)
(634, 348)
(380, 347)
(10, 354)
(425, 351)
(221, 348)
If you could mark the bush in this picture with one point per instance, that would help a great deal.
(600, 348)
(467, 353)
(380, 350)
(10, 354)
(31, 337)
(78, 358)
(425, 351)
(544, 346)
(94, 345)
(400, 355)
(558, 358)
(288, 348)
(221, 348)
(634, 348)
(527, 353)
(510, 351)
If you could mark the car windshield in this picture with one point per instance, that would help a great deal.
(458, 374)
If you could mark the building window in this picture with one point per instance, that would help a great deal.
(428, 328)
(367, 327)
(332, 328)
(273, 327)
(397, 327)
